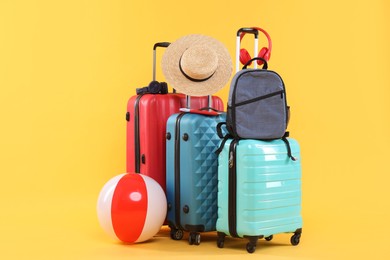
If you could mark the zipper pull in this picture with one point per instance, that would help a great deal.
(231, 163)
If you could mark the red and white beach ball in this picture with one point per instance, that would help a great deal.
(132, 207)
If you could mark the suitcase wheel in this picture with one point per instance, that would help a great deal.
(176, 234)
(194, 238)
(295, 239)
(221, 239)
(251, 246)
(269, 238)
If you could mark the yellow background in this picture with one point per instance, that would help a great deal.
(67, 69)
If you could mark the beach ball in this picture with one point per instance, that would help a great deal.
(131, 207)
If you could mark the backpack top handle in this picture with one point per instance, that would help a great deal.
(265, 64)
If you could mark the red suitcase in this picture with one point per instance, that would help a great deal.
(146, 116)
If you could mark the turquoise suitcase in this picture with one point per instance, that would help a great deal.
(192, 169)
(259, 190)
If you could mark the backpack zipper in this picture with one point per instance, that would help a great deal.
(279, 92)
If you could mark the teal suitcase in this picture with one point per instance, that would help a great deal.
(259, 190)
(192, 169)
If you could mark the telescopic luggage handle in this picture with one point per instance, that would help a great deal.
(162, 45)
(245, 30)
(209, 101)
(154, 86)
(157, 44)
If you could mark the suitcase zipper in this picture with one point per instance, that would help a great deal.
(231, 162)
(137, 159)
(232, 200)
(177, 170)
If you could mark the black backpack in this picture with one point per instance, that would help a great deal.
(257, 106)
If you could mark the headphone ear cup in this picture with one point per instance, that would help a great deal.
(244, 56)
(265, 54)
(164, 88)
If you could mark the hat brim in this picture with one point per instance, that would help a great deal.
(176, 79)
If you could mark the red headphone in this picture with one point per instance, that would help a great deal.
(264, 53)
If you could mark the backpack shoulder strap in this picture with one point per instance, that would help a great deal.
(220, 148)
(285, 140)
(223, 137)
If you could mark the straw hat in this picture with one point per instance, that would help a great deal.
(196, 65)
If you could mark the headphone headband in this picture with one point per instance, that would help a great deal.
(265, 33)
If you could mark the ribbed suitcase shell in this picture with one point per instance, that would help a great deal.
(192, 167)
(268, 188)
(146, 129)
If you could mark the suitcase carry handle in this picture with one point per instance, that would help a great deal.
(240, 33)
(210, 111)
(265, 64)
(210, 108)
(205, 112)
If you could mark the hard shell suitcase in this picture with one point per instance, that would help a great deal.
(259, 190)
(146, 117)
(192, 174)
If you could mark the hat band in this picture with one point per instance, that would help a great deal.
(190, 78)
